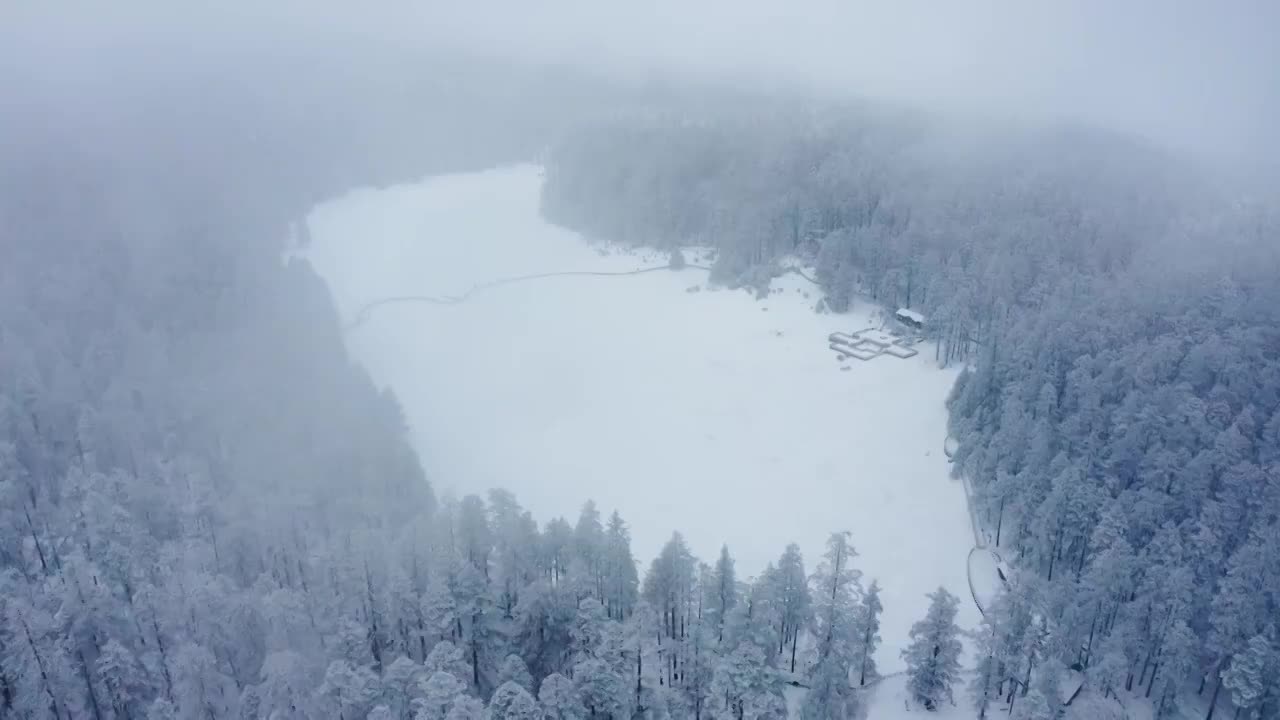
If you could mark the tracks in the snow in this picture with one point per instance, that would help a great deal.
(362, 315)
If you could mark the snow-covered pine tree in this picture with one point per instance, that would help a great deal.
(436, 694)
(512, 702)
(868, 630)
(794, 601)
(677, 261)
(670, 590)
(448, 658)
(1251, 677)
(621, 582)
(559, 699)
(287, 683)
(400, 683)
(347, 688)
(701, 657)
(836, 592)
(723, 593)
(587, 634)
(603, 691)
(933, 656)
(514, 670)
(650, 661)
(124, 679)
(589, 551)
(744, 687)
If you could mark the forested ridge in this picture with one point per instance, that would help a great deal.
(1117, 309)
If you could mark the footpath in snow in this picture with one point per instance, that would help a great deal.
(711, 412)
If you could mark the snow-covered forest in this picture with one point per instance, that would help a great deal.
(210, 512)
(1118, 317)
(211, 509)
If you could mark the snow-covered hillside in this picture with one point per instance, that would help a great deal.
(710, 412)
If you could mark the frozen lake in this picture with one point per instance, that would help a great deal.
(712, 413)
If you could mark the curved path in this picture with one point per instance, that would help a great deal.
(362, 315)
(981, 539)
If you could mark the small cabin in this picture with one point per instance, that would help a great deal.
(910, 318)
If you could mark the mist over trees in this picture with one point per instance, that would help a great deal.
(210, 512)
(1116, 311)
(207, 511)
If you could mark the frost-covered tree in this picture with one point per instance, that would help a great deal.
(125, 680)
(512, 702)
(286, 687)
(604, 692)
(1252, 676)
(702, 652)
(559, 699)
(349, 689)
(677, 261)
(836, 588)
(650, 664)
(868, 631)
(723, 591)
(933, 656)
(588, 633)
(790, 588)
(589, 550)
(670, 590)
(437, 694)
(400, 684)
(621, 580)
(745, 687)
(448, 658)
(202, 690)
(513, 670)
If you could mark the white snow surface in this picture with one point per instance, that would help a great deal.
(984, 578)
(890, 700)
(712, 413)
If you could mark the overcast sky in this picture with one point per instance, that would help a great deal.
(1202, 74)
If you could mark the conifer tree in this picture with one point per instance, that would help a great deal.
(933, 657)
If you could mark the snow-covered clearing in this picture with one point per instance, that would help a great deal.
(889, 700)
(712, 413)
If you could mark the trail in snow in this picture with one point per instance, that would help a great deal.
(685, 407)
(363, 313)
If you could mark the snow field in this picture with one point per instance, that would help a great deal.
(711, 413)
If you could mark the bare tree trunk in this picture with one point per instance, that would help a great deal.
(1213, 700)
(795, 639)
(44, 673)
(88, 684)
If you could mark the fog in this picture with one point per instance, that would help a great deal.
(1188, 72)
(1201, 76)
